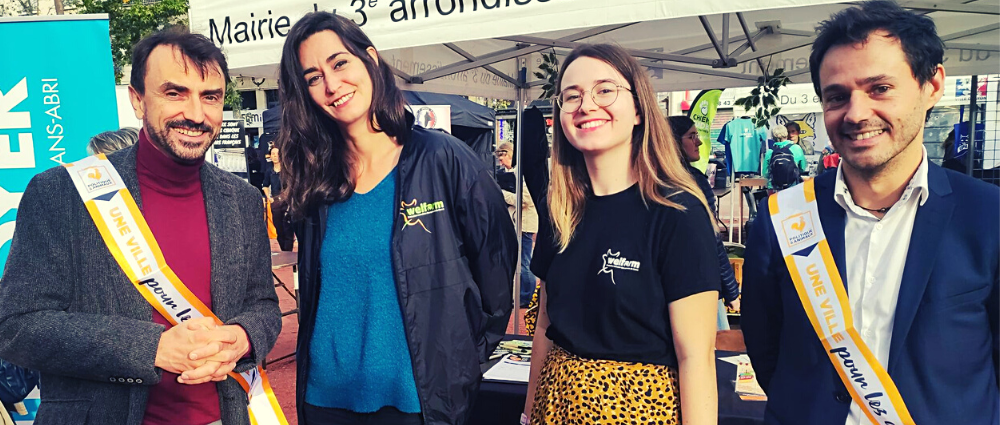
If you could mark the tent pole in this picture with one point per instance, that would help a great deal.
(519, 194)
(732, 205)
(725, 34)
(746, 32)
(715, 41)
(970, 152)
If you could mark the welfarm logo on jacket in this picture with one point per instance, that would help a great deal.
(413, 210)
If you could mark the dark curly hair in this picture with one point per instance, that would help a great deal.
(196, 47)
(916, 33)
(316, 161)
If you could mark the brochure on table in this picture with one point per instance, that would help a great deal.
(746, 380)
(511, 368)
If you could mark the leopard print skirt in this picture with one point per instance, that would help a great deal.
(574, 390)
(531, 313)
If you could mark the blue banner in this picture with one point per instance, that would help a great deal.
(57, 90)
(961, 145)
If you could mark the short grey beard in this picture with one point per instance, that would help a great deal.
(160, 140)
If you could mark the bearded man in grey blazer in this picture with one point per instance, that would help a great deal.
(68, 310)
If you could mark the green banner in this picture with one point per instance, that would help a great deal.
(702, 113)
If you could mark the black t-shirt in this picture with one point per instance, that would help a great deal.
(608, 291)
(272, 179)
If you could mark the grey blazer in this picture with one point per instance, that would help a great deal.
(68, 310)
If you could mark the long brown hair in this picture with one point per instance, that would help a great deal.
(655, 158)
(315, 158)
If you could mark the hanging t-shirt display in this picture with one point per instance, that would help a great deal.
(743, 141)
(608, 291)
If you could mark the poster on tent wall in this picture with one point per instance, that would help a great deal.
(432, 116)
(812, 132)
(703, 113)
(54, 96)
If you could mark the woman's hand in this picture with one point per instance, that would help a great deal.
(735, 305)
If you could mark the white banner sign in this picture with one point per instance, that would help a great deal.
(253, 118)
(253, 32)
(410, 34)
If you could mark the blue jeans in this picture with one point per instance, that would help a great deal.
(528, 280)
(723, 318)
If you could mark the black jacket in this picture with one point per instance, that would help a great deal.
(454, 251)
(730, 288)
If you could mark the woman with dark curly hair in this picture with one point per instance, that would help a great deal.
(406, 251)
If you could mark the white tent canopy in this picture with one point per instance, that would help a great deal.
(474, 47)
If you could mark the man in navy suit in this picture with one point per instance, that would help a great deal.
(916, 246)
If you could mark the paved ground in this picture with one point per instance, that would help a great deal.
(282, 373)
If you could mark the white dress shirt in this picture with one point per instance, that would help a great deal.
(875, 256)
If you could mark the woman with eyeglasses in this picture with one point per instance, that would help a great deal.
(686, 135)
(406, 251)
(626, 328)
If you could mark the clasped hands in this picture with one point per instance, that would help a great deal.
(199, 350)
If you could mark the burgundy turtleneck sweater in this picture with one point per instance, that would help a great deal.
(174, 207)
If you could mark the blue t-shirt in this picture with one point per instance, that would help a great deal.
(743, 142)
(359, 359)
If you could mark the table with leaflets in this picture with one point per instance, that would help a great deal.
(504, 389)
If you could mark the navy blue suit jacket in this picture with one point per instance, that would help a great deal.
(944, 350)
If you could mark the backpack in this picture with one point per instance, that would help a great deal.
(15, 383)
(721, 173)
(782, 168)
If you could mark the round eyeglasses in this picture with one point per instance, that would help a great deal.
(603, 94)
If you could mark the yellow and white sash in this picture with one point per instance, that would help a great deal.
(807, 255)
(130, 241)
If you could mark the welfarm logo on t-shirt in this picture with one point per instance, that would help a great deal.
(614, 261)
